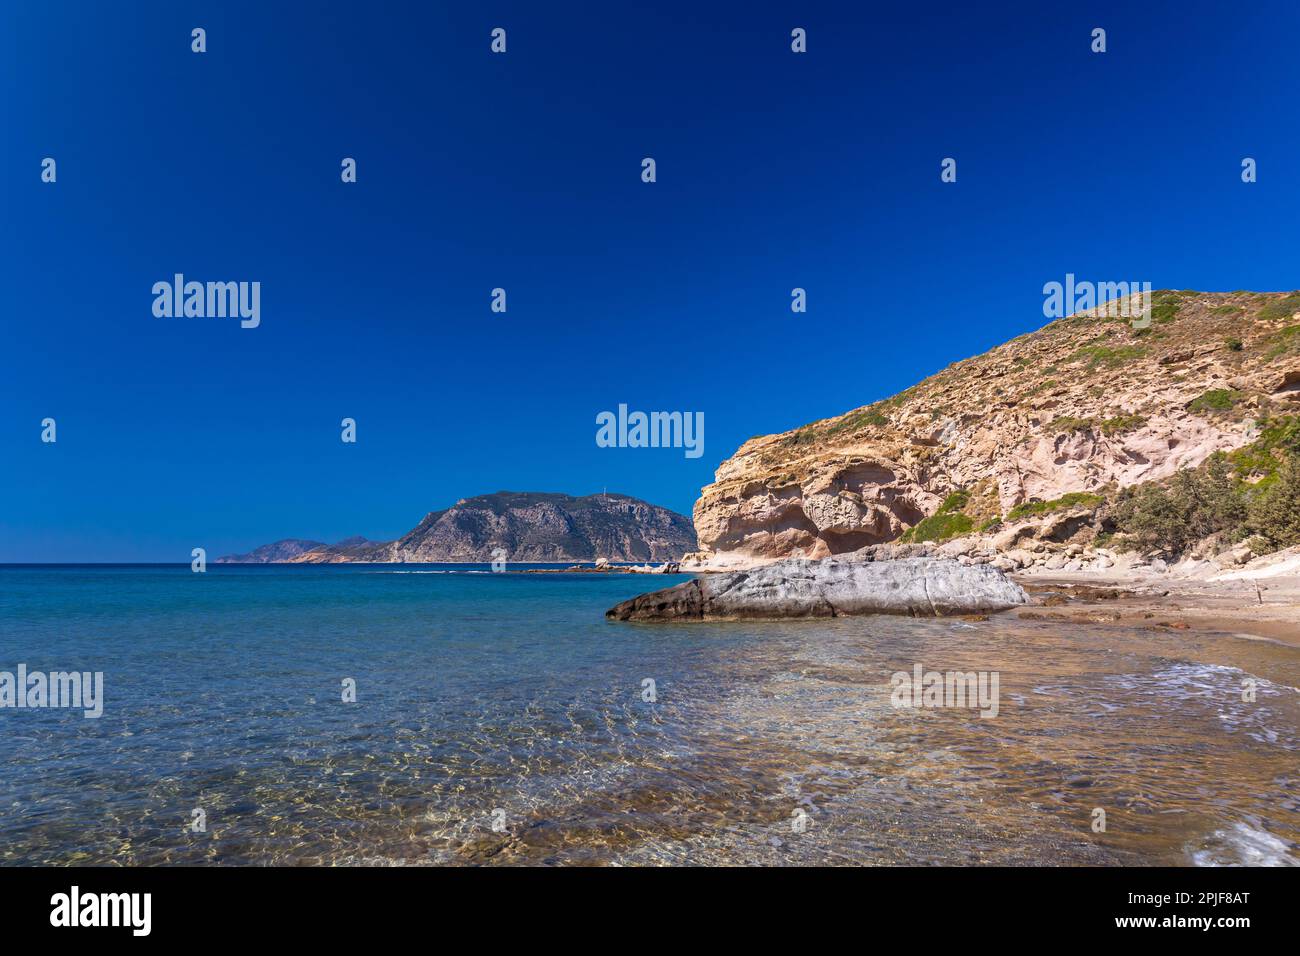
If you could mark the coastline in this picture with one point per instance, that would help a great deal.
(1260, 600)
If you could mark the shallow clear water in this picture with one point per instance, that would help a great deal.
(499, 718)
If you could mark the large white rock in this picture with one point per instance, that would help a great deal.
(831, 587)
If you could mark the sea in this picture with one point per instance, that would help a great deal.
(409, 715)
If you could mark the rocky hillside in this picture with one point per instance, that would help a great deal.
(1047, 425)
(273, 553)
(528, 526)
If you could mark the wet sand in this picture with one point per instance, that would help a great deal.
(1264, 609)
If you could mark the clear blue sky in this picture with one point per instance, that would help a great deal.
(775, 170)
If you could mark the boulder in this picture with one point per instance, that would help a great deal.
(1241, 554)
(831, 587)
(1020, 557)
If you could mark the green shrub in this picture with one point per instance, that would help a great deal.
(1233, 345)
(938, 528)
(858, 420)
(1070, 500)
(955, 502)
(1067, 424)
(1281, 308)
(854, 421)
(1122, 423)
(1164, 307)
(1215, 400)
(902, 396)
(804, 436)
(1101, 356)
(1283, 341)
(947, 522)
(1278, 437)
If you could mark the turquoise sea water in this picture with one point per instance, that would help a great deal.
(501, 718)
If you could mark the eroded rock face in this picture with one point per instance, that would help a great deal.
(831, 587)
(1085, 404)
(843, 503)
(1044, 467)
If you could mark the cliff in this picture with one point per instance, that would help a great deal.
(1053, 421)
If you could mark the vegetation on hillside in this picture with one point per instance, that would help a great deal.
(1194, 505)
(1253, 493)
(1215, 400)
(1071, 500)
(1116, 425)
(947, 522)
(1122, 423)
(1278, 309)
(1105, 356)
(1056, 365)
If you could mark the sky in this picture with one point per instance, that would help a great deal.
(523, 171)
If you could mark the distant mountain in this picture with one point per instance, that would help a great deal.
(283, 550)
(525, 525)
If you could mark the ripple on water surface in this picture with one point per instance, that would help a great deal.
(501, 719)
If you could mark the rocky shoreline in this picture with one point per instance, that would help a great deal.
(601, 566)
(831, 587)
(1257, 599)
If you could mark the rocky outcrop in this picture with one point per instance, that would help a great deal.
(526, 526)
(831, 587)
(1087, 404)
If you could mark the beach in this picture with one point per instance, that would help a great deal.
(1259, 601)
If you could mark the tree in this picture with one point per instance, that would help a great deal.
(1196, 504)
(1275, 511)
